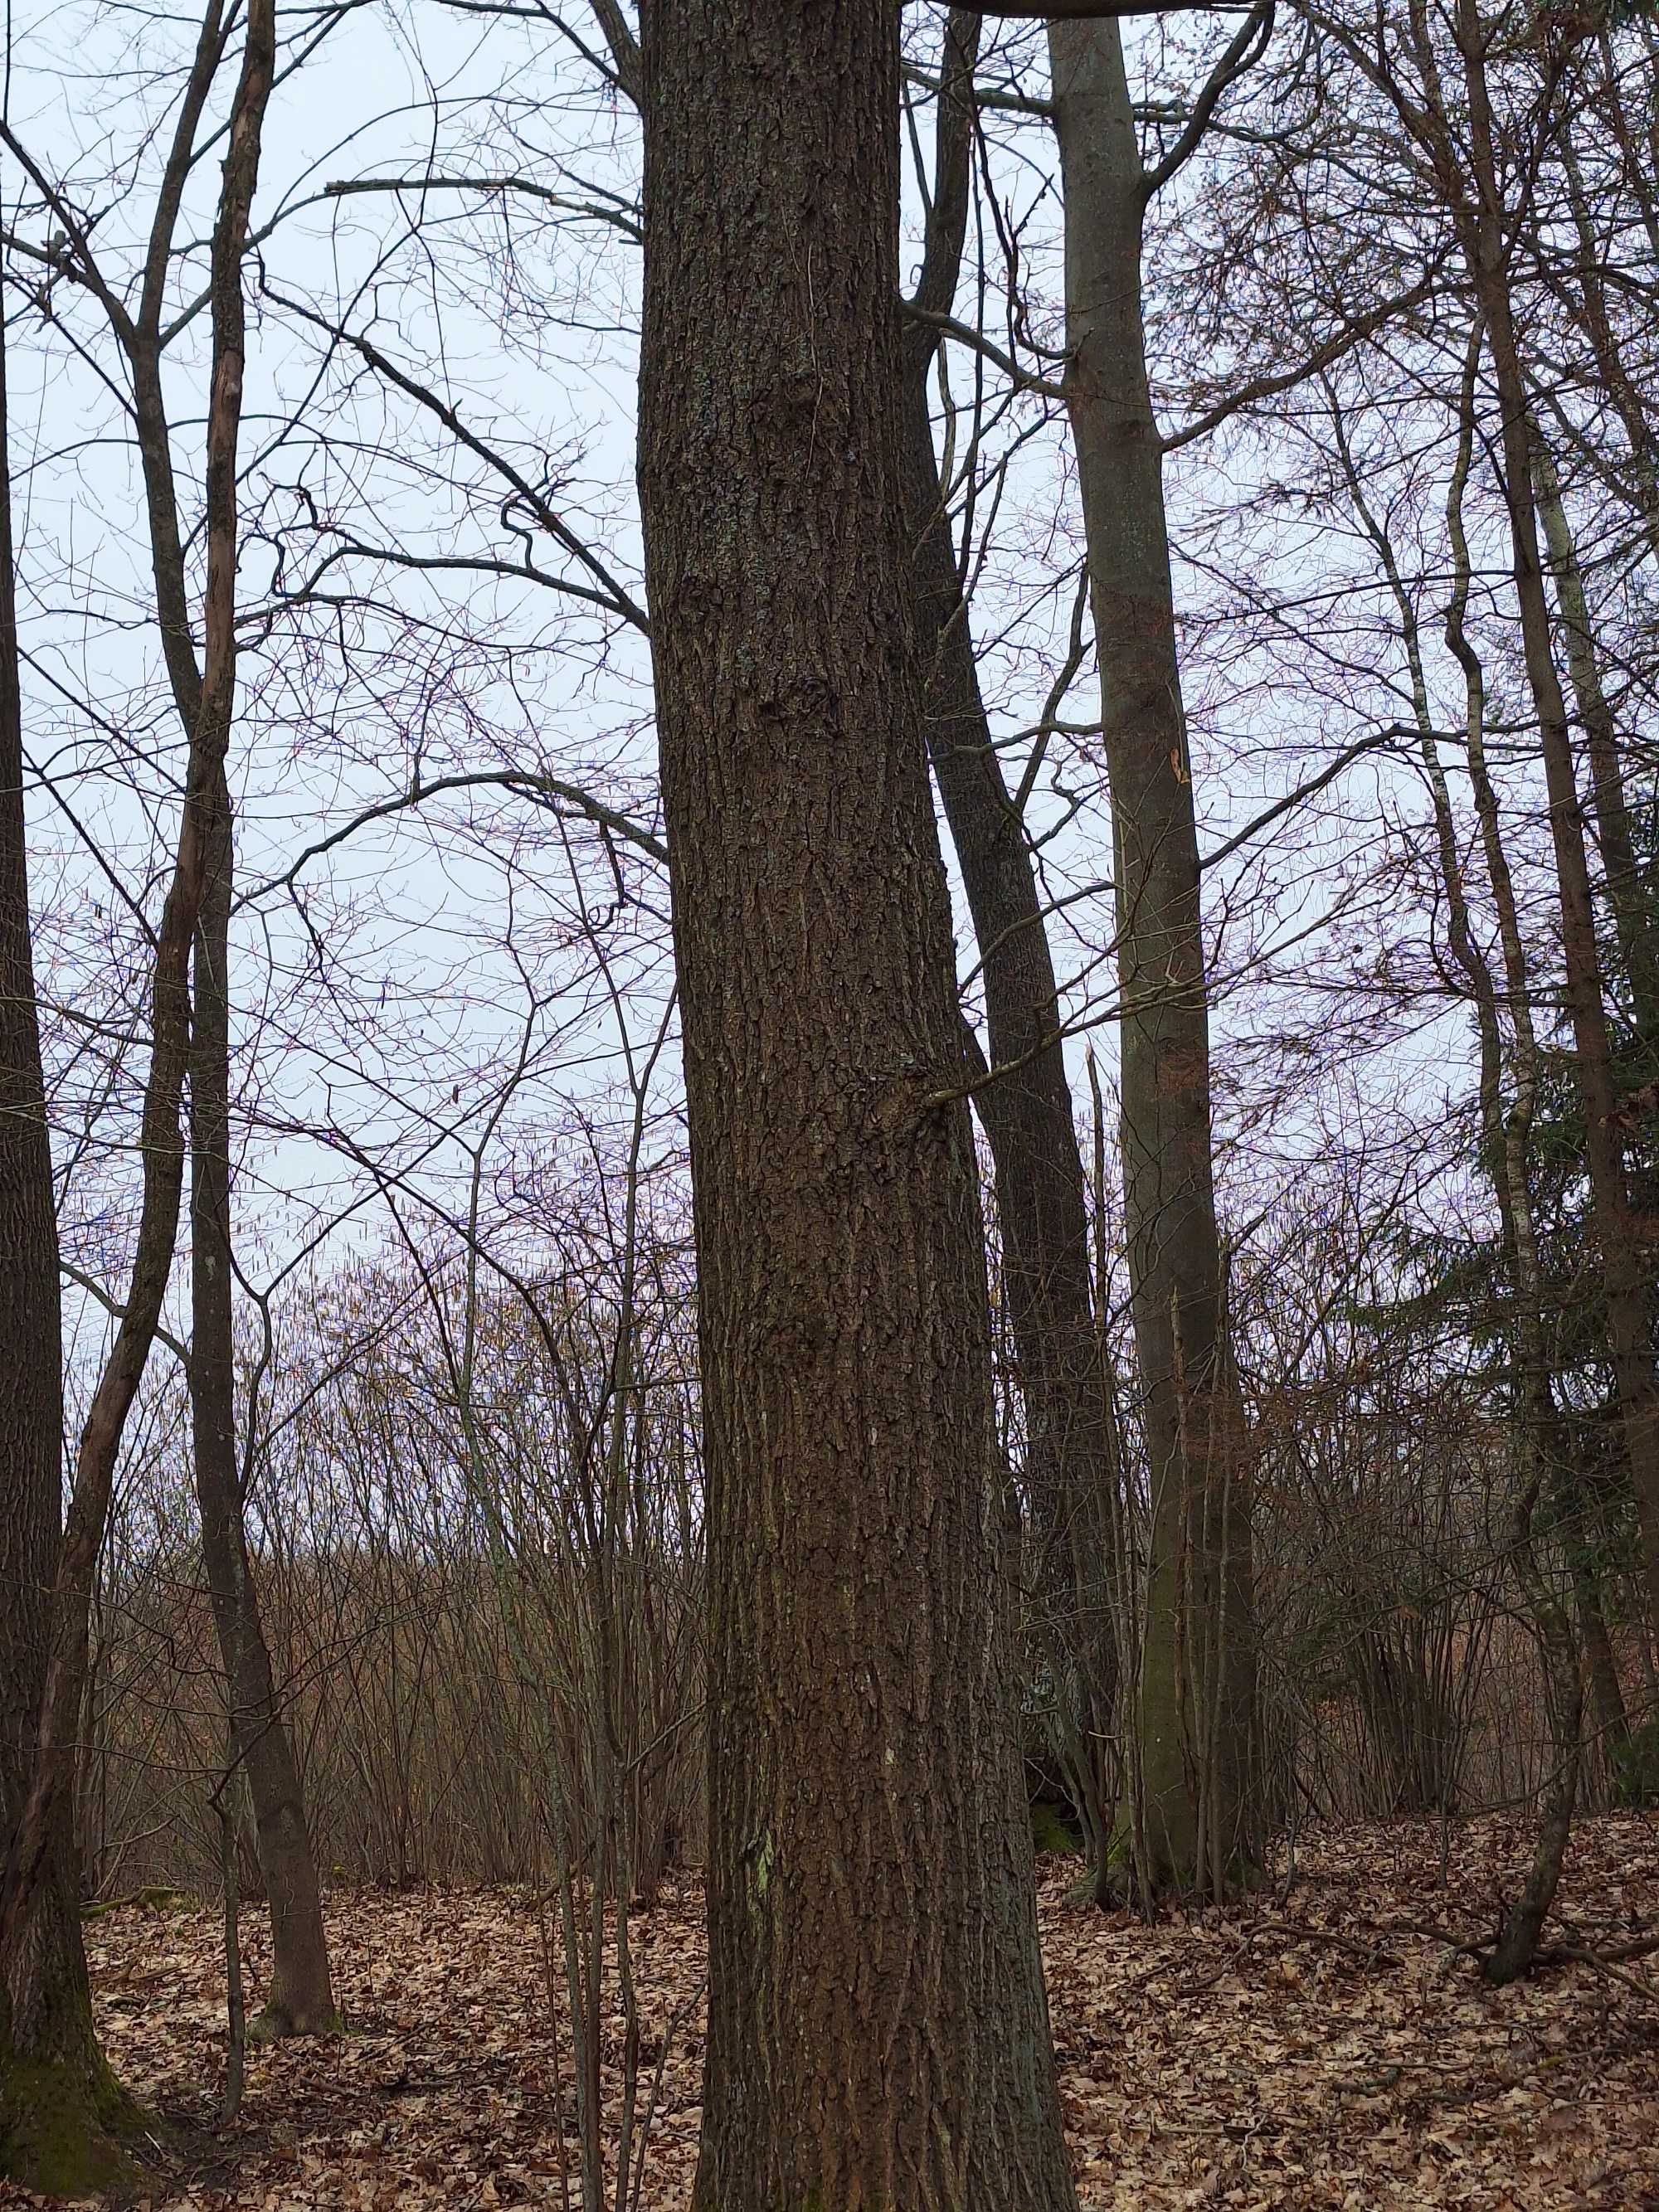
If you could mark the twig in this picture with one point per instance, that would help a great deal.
(681, 2013)
(235, 2008)
(1371, 1954)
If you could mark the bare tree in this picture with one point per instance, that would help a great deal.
(61, 2114)
(1023, 1100)
(51, 1771)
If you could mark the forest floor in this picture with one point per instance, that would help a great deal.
(1320, 2047)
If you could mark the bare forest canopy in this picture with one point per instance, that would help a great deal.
(829, 1064)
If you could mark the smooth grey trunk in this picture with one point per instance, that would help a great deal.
(1196, 1719)
(1026, 1112)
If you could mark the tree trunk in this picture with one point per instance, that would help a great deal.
(1195, 1809)
(1027, 1112)
(1607, 1696)
(1544, 1462)
(1629, 894)
(50, 1786)
(302, 1999)
(1549, 1470)
(60, 2112)
(1623, 393)
(878, 2033)
(1522, 1922)
(1626, 1267)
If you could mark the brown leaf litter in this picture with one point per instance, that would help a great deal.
(1321, 2046)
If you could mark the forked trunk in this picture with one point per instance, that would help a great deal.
(50, 1786)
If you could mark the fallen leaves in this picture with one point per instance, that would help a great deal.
(1342, 2057)
(1314, 2049)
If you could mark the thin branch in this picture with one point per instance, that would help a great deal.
(1245, 49)
(1381, 742)
(545, 789)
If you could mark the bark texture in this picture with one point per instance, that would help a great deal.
(1194, 1795)
(877, 2033)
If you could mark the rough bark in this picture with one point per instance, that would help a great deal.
(60, 2112)
(301, 1998)
(1195, 1727)
(878, 2033)
(1026, 1112)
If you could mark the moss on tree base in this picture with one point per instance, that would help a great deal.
(67, 2130)
(275, 2024)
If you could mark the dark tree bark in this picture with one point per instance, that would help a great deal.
(1026, 1112)
(302, 1999)
(60, 2112)
(878, 2033)
(1193, 1827)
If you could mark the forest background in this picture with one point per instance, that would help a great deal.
(1356, 1358)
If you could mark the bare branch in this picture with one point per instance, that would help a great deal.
(543, 789)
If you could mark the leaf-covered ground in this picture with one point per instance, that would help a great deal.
(1317, 2049)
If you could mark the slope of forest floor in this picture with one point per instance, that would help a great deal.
(1320, 2048)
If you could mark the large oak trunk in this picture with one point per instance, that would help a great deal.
(877, 2034)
